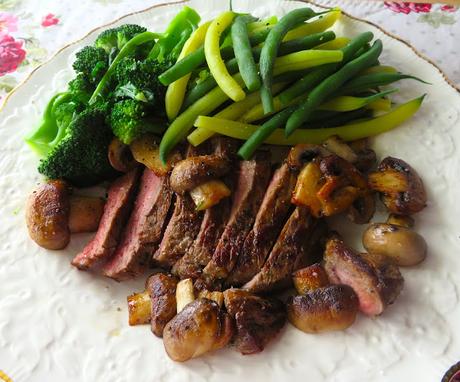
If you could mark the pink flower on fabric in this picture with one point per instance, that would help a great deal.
(49, 20)
(448, 8)
(408, 7)
(8, 22)
(11, 54)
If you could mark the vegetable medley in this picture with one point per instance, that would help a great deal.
(270, 81)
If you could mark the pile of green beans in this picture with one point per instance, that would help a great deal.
(250, 53)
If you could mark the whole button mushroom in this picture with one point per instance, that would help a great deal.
(52, 214)
(400, 186)
(397, 242)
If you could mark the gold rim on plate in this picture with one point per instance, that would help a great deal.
(393, 36)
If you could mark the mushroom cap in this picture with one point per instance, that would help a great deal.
(47, 215)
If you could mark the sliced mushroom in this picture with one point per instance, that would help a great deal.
(376, 282)
(161, 289)
(401, 220)
(120, 156)
(145, 150)
(310, 278)
(47, 215)
(209, 194)
(325, 309)
(193, 171)
(401, 187)
(199, 328)
(139, 306)
(303, 154)
(366, 156)
(52, 214)
(339, 147)
(401, 245)
(257, 320)
(362, 209)
(216, 296)
(85, 213)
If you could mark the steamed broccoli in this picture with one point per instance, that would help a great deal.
(80, 157)
(114, 39)
(139, 80)
(131, 119)
(92, 62)
(81, 88)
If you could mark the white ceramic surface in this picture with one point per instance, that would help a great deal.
(59, 324)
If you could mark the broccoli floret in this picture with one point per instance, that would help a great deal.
(139, 80)
(116, 38)
(81, 88)
(81, 155)
(131, 119)
(92, 62)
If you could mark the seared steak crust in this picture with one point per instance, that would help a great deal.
(252, 181)
(270, 219)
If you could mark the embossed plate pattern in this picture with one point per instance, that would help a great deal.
(59, 324)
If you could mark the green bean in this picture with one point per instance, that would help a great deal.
(313, 78)
(370, 81)
(243, 54)
(263, 132)
(303, 43)
(197, 58)
(328, 86)
(270, 51)
(334, 119)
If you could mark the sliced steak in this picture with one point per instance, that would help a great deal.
(200, 253)
(376, 282)
(257, 320)
(295, 245)
(184, 225)
(145, 226)
(162, 292)
(121, 195)
(213, 224)
(253, 178)
(270, 219)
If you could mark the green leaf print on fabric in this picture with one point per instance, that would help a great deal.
(436, 19)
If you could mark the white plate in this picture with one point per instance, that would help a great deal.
(59, 324)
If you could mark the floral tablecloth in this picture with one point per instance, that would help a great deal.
(31, 31)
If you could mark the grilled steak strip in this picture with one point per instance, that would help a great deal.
(253, 178)
(270, 219)
(213, 224)
(145, 226)
(376, 282)
(121, 195)
(183, 227)
(293, 246)
(257, 320)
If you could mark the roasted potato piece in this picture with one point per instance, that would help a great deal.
(257, 320)
(194, 171)
(325, 309)
(199, 328)
(120, 156)
(400, 245)
(85, 213)
(209, 194)
(185, 293)
(47, 215)
(310, 278)
(376, 282)
(162, 293)
(400, 186)
(145, 150)
(139, 306)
